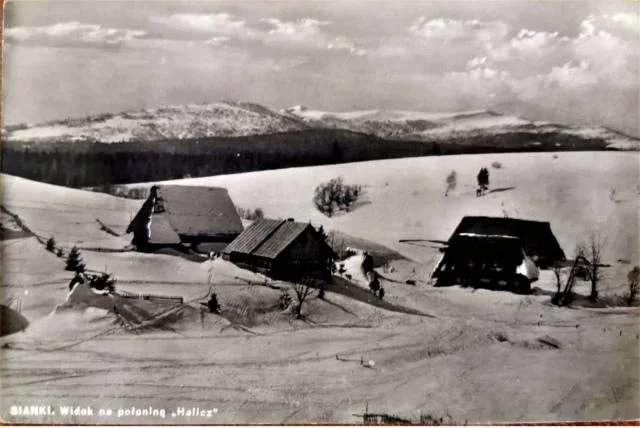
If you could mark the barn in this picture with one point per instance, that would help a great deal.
(202, 218)
(536, 237)
(282, 249)
(497, 251)
(487, 260)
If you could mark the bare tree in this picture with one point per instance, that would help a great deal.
(560, 275)
(634, 281)
(302, 291)
(591, 250)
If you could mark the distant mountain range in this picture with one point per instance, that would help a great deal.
(242, 119)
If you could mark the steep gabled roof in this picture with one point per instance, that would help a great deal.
(536, 236)
(268, 238)
(497, 248)
(254, 235)
(200, 211)
(280, 239)
(187, 210)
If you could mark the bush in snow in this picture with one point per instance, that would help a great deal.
(51, 244)
(496, 165)
(334, 196)
(103, 281)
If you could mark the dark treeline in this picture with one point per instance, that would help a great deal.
(80, 164)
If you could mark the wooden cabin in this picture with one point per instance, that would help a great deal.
(282, 249)
(497, 251)
(202, 218)
(537, 239)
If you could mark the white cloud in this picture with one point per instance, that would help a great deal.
(72, 33)
(572, 75)
(217, 41)
(476, 62)
(536, 41)
(628, 21)
(452, 30)
(213, 23)
(306, 30)
(343, 44)
(610, 53)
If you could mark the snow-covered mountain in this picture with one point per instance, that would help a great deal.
(234, 119)
(173, 122)
(421, 126)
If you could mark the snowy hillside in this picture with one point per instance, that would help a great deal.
(502, 356)
(173, 122)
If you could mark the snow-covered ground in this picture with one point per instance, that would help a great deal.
(473, 355)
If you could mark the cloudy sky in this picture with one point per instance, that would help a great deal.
(565, 61)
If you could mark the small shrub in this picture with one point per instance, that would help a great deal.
(348, 253)
(104, 281)
(634, 281)
(285, 300)
(250, 214)
(452, 182)
(496, 165)
(212, 304)
(60, 252)
(51, 244)
(74, 261)
(430, 420)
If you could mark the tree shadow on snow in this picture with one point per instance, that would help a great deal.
(501, 189)
(353, 207)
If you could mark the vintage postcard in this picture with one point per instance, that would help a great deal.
(320, 212)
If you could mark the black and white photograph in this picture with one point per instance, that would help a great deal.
(320, 212)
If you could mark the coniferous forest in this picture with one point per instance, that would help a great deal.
(80, 164)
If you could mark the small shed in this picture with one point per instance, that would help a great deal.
(282, 249)
(186, 215)
(536, 237)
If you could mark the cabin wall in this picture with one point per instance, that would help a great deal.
(308, 255)
(250, 262)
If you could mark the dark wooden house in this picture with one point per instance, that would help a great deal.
(282, 249)
(497, 251)
(203, 218)
(537, 239)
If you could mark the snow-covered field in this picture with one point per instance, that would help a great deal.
(474, 355)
